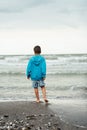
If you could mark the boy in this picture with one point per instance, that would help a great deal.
(36, 70)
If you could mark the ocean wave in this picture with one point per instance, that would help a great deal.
(12, 73)
(83, 96)
(56, 64)
(49, 73)
(57, 57)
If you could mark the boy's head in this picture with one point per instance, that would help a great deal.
(37, 49)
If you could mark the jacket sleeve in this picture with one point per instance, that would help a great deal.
(28, 69)
(44, 69)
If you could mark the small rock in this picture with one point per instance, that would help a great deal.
(41, 115)
(9, 128)
(24, 128)
(39, 128)
(2, 118)
(51, 115)
(49, 124)
(46, 124)
(58, 129)
(19, 128)
(11, 123)
(6, 116)
(21, 121)
(14, 125)
(2, 123)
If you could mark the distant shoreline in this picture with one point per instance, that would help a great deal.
(60, 54)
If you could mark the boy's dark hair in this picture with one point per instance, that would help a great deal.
(37, 49)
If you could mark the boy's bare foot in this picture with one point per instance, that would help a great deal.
(38, 101)
(46, 101)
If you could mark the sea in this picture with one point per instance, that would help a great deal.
(66, 84)
(66, 77)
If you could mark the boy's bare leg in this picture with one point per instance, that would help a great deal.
(44, 93)
(37, 94)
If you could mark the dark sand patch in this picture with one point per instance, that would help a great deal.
(24, 115)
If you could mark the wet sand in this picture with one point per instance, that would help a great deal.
(72, 113)
(26, 115)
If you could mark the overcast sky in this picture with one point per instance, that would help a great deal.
(58, 26)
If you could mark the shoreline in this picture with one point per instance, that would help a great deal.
(24, 115)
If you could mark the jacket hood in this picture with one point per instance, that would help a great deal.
(37, 60)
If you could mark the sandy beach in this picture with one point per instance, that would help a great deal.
(26, 115)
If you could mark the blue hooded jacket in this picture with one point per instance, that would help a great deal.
(36, 68)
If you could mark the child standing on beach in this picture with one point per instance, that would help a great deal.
(36, 70)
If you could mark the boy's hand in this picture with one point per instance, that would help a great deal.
(44, 78)
(27, 77)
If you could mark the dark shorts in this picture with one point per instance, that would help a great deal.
(38, 83)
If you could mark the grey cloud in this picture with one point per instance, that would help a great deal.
(43, 13)
(7, 6)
